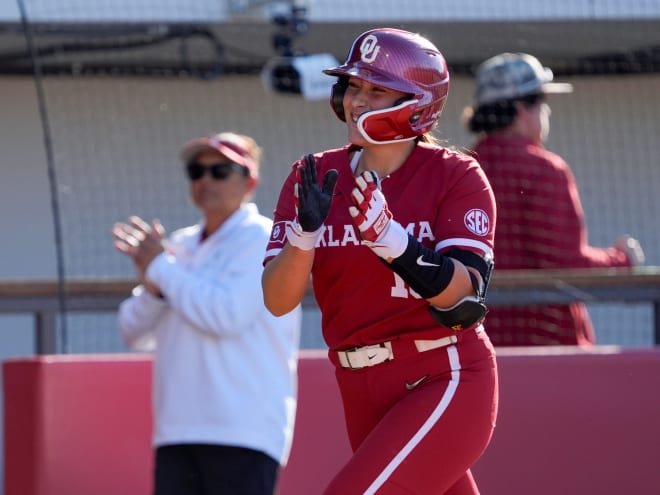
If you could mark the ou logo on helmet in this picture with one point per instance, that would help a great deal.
(369, 49)
(477, 221)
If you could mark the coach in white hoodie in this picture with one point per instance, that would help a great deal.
(224, 379)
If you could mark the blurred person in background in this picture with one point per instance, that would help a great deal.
(224, 380)
(540, 218)
(396, 232)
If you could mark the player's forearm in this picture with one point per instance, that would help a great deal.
(286, 278)
(459, 287)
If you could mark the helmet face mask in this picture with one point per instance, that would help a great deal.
(400, 61)
(386, 125)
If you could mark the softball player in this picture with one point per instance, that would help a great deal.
(397, 234)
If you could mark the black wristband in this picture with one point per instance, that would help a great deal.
(426, 272)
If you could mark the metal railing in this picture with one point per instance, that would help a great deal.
(43, 298)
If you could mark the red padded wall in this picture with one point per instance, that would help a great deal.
(77, 425)
(570, 422)
(576, 423)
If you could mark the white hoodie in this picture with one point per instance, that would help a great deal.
(224, 367)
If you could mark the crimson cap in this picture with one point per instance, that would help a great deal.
(231, 145)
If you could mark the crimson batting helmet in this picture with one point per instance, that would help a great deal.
(401, 61)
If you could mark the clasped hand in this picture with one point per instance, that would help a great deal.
(142, 242)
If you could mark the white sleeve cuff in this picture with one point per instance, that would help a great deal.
(299, 238)
(392, 243)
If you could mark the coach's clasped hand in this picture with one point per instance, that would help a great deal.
(384, 235)
(143, 242)
(312, 204)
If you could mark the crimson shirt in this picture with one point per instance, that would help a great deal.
(441, 197)
(540, 225)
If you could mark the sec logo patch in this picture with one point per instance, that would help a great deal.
(477, 222)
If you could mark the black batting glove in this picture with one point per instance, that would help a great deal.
(312, 204)
(313, 201)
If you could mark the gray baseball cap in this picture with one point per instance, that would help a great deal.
(509, 76)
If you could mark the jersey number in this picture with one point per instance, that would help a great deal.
(400, 289)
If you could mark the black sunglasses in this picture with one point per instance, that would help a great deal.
(218, 171)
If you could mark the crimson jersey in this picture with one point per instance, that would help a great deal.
(441, 197)
(540, 225)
